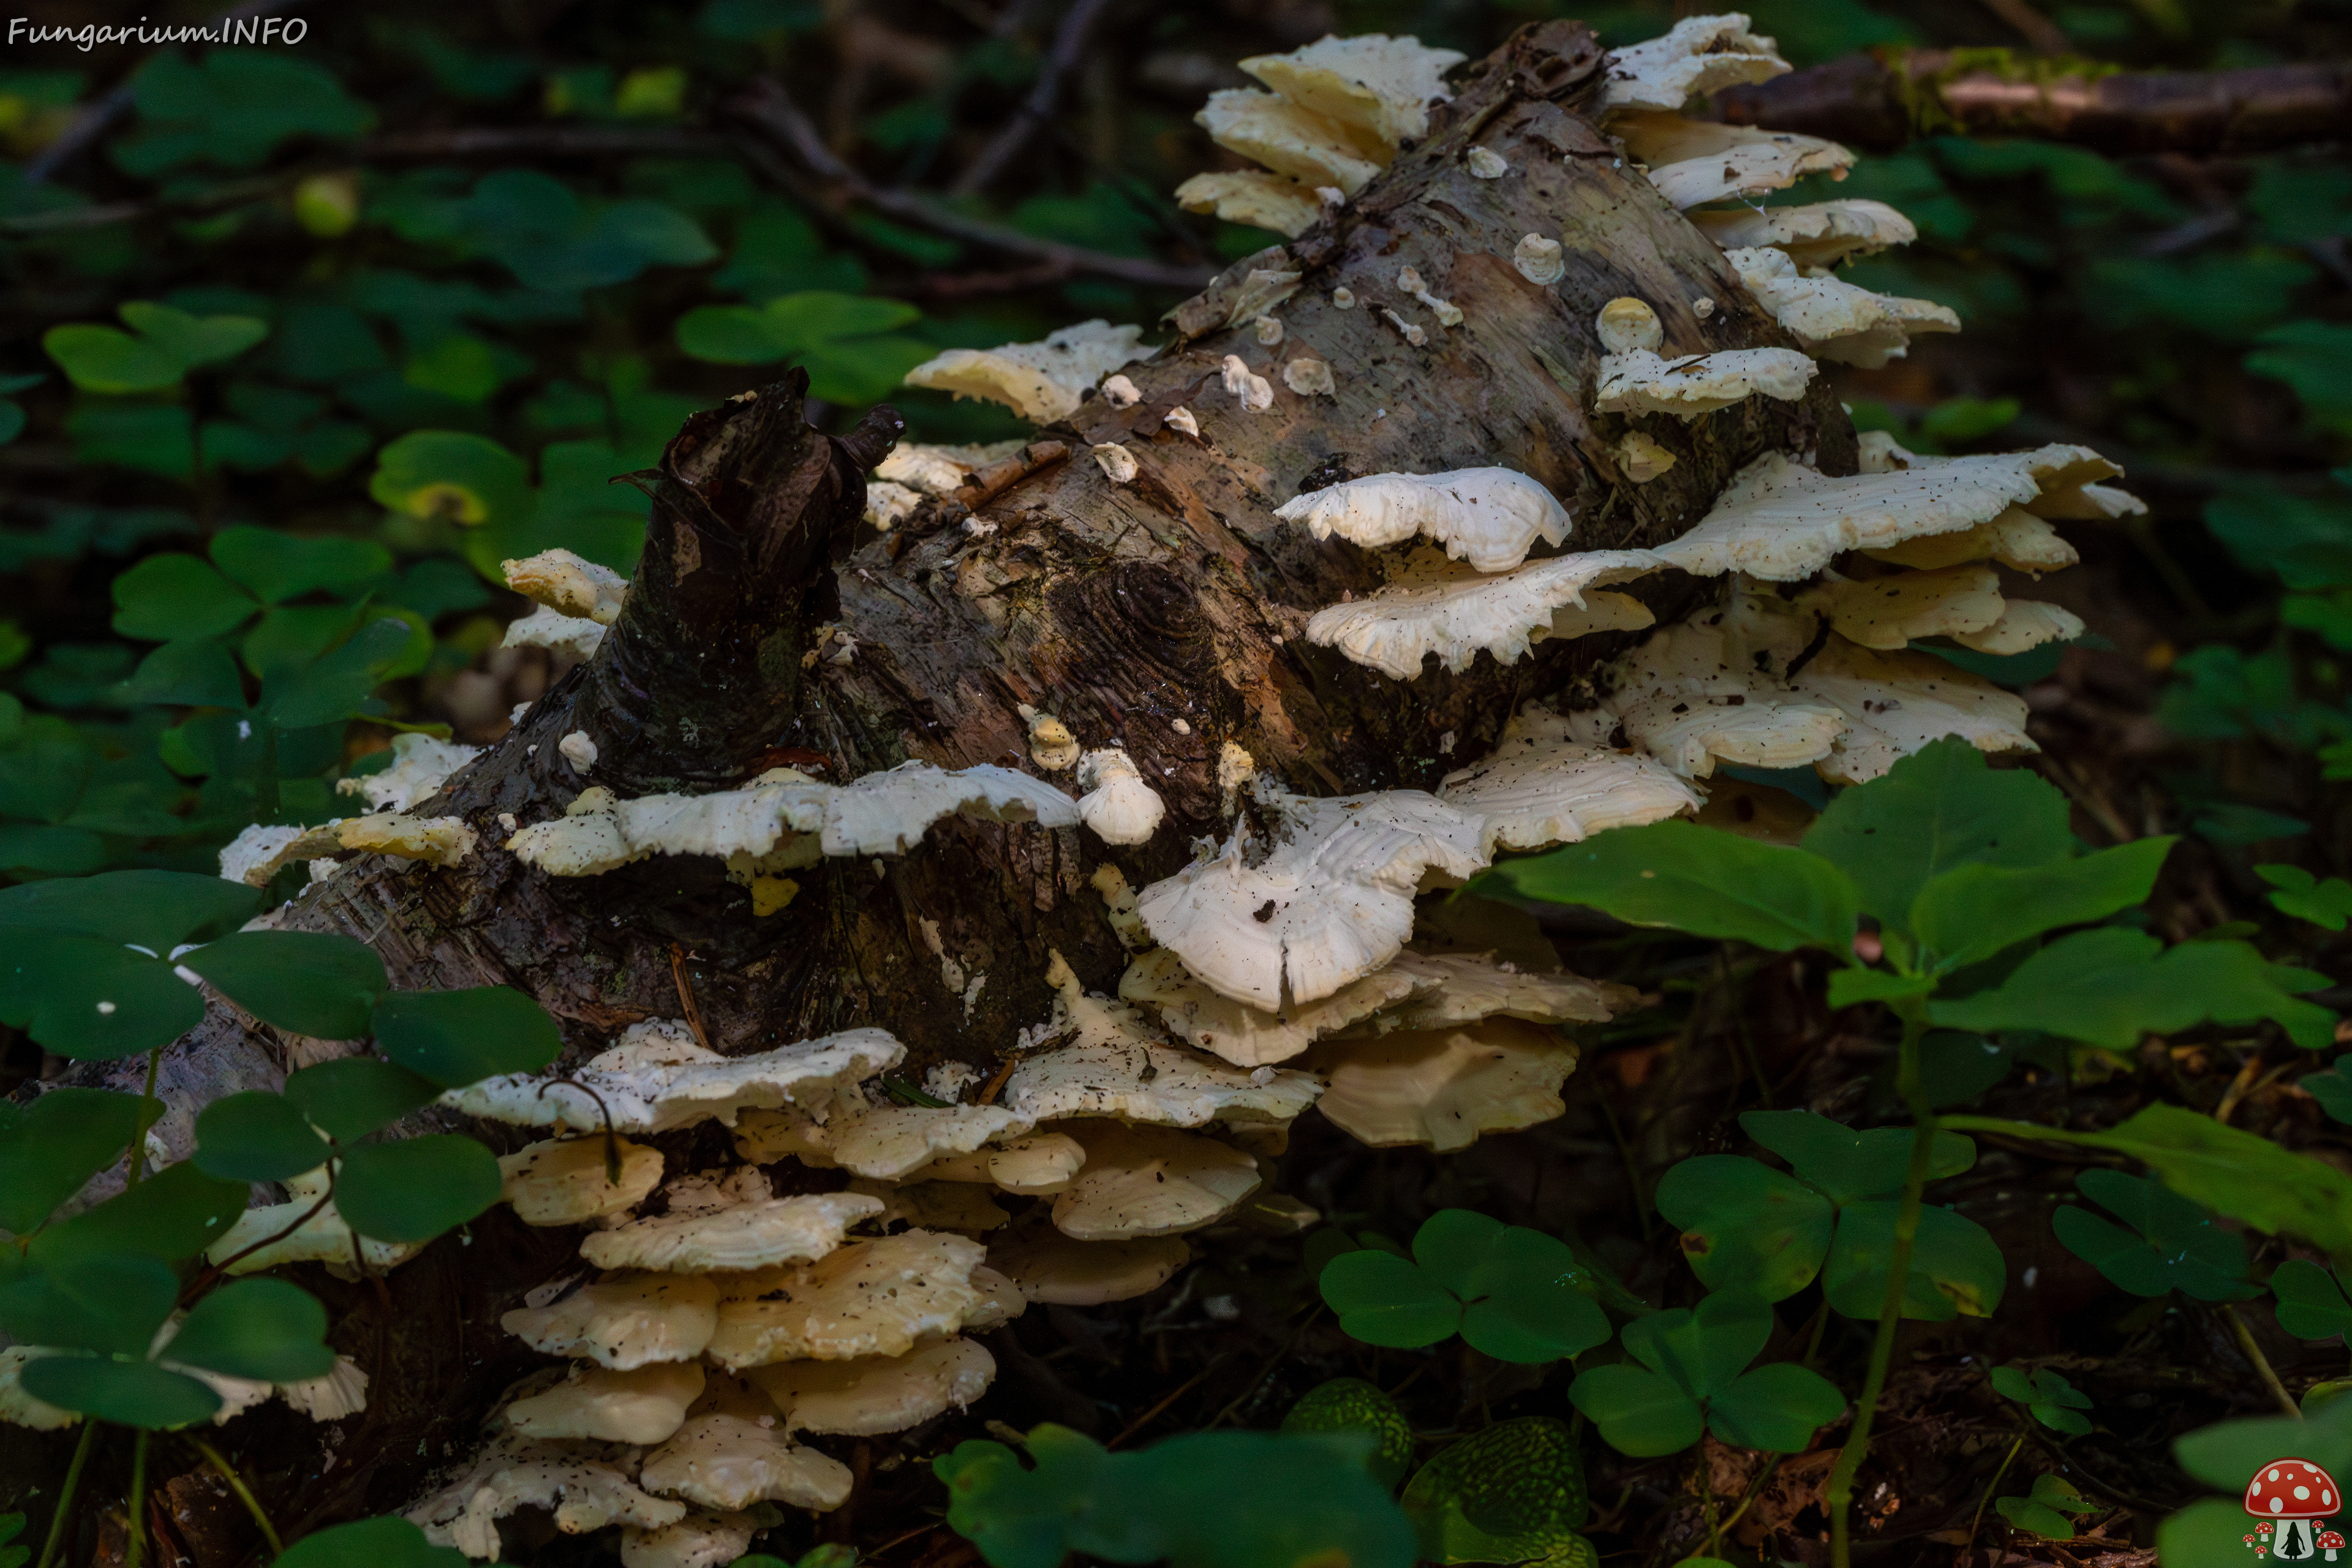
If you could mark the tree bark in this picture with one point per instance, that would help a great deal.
(1166, 614)
(1878, 103)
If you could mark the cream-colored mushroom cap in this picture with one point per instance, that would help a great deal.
(1289, 138)
(697, 1541)
(1118, 807)
(2023, 623)
(1378, 87)
(1488, 517)
(1041, 382)
(1819, 234)
(1255, 197)
(745, 1236)
(567, 1181)
(568, 583)
(658, 1078)
(1710, 690)
(1443, 1087)
(436, 840)
(884, 1142)
(644, 1405)
(2016, 539)
(1695, 162)
(727, 1462)
(1150, 1180)
(1640, 382)
(1831, 318)
(558, 632)
(1473, 986)
(1698, 56)
(937, 470)
(890, 1394)
(870, 1298)
(1896, 703)
(1036, 1166)
(1001, 1301)
(1782, 522)
(1456, 618)
(419, 765)
(1542, 786)
(1901, 607)
(636, 1320)
(1053, 1268)
(323, 1237)
(1627, 325)
(1246, 1035)
(1328, 902)
(587, 1491)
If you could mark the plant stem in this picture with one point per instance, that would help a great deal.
(228, 1473)
(67, 1493)
(1898, 1273)
(138, 1166)
(1969, 1551)
(135, 1548)
(2253, 1353)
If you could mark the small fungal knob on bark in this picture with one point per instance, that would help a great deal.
(1538, 261)
(1626, 324)
(1344, 298)
(1485, 163)
(1255, 392)
(1307, 377)
(1269, 330)
(1051, 745)
(1117, 462)
(1702, 307)
(578, 750)
(1180, 418)
(1641, 458)
(1121, 393)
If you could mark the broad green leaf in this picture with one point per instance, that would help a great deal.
(2054, 1402)
(2311, 1305)
(2171, 1244)
(790, 325)
(99, 358)
(2332, 1089)
(309, 982)
(265, 1330)
(128, 1392)
(1383, 1299)
(1693, 878)
(1956, 1065)
(276, 567)
(2235, 1173)
(1351, 1404)
(1520, 1301)
(1701, 1350)
(1638, 1412)
(2226, 1455)
(457, 1037)
(333, 689)
(2327, 905)
(2035, 1518)
(358, 1095)
(2110, 985)
(1956, 1265)
(190, 673)
(2310, 356)
(51, 1147)
(1970, 913)
(1017, 1516)
(1510, 1492)
(469, 480)
(1940, 807)
(175, 597)
(175, 1213)
(1845, 1165)
(108, 1303)
(1745, 1224)
(255, 1137)
(388, 1542)
(89, 998)
(190, 340)
(1777, 1407)
(414, 1189)
(156, 910)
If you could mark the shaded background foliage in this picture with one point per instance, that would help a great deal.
(413, 291)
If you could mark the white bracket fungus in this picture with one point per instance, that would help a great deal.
(741, 1236)
(567, 1181)
(556, 632)
(1328, 901)
(1037, 1165)
(1454, 617)
(1783, 522)
(1698, 56)
(932, 1205)
(2025, 623)
(868, 1299)
(886, 506)
(1832, 319)
(1118, 906)
(578, 750)
(1121, 393)
(1253, 198)
(595, 1404)
(1542, 786)
(1271, 129)
(1817, 235)
(2016, 539)
(1051, 745)
(1539, 261)
(624, 1323)
(1050, 1268)
(1251, 390)
(1469, 988)
(419, 765)
(1118, 806)
(697, 1541)
(324, 1238)
(569, 584)
(1443, 1087)
(1642, 459)
(1150, 1180)
(868, 1399)
(1117, 464)
(582, 1487)
(1378, 87)
(1633, 378)
(1489, 517)
(729, 1462)
(1246, 1035)
(1180, 419)
(1894, 610)
(1041, 382)
(883, 1141)
(1695, 162)
(1706, 691)
(1310, 378)
(934, 470)
(1896, 703)
(658, 1079)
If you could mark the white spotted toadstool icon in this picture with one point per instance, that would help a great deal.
(2295, 1493)
(2331, 1542)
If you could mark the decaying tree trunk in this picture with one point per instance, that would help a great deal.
(1165, 614)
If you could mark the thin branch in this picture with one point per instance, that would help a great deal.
(1069, 43)
(537, 141)
(1879, 104)
(769, 109)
